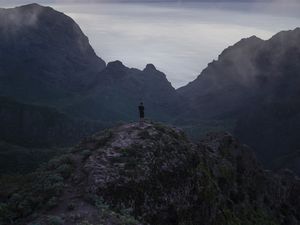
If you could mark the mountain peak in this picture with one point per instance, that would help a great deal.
(115, 64)
(33, 8)
(253, 37)
(289, 36)
(61, 54)
(32, 5)
(116, 68)
(249, 44)
(150, 67)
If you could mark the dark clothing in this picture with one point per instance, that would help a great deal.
(142, 111)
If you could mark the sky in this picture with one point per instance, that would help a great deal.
(179, 38)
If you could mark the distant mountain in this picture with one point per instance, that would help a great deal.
(225, 86)
(119, 89)
(46, 59)
(44, 55)
(256, 84)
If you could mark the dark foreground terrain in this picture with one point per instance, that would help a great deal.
(152, 174)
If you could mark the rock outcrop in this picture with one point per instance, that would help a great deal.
(152, 174)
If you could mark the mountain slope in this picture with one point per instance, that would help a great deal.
(44, 55)
(154, 174)
(37, 126)
(15, 159)
(254, 83)
(119, 89)
(46, 59)
(223, 86)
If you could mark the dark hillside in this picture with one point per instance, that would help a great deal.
(152, 174)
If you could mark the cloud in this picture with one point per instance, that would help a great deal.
(179, 39)
(14, 21)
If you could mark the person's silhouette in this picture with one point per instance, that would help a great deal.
(142, 111)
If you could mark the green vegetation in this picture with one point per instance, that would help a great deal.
(106, 213)
(85, 154)
(37, 190)
(16, 159)
(198, 129)
(55, 220)
(248, 217)
(160, 177)
(85, 223)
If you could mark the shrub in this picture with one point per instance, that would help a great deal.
(65, 170)
(52, 202)
(71, 206)
(84, 223)
(85, 154)
(55, 220)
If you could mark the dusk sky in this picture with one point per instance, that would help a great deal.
(179, 38)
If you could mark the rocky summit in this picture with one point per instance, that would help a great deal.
(152, 174)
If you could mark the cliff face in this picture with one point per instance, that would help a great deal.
(152, 174)
(44, 55)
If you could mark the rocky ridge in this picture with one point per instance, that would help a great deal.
(152, 174)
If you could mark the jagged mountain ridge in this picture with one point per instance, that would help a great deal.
(51, 63)
(250, 69)
(255, 83)
(223, 86)
(46, 60)
(38, 67)
(119, 89)
(152, 174)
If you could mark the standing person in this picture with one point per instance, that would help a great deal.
(142, 112)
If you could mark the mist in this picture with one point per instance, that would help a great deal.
(180, 39)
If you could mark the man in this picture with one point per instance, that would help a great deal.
(142, 112)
